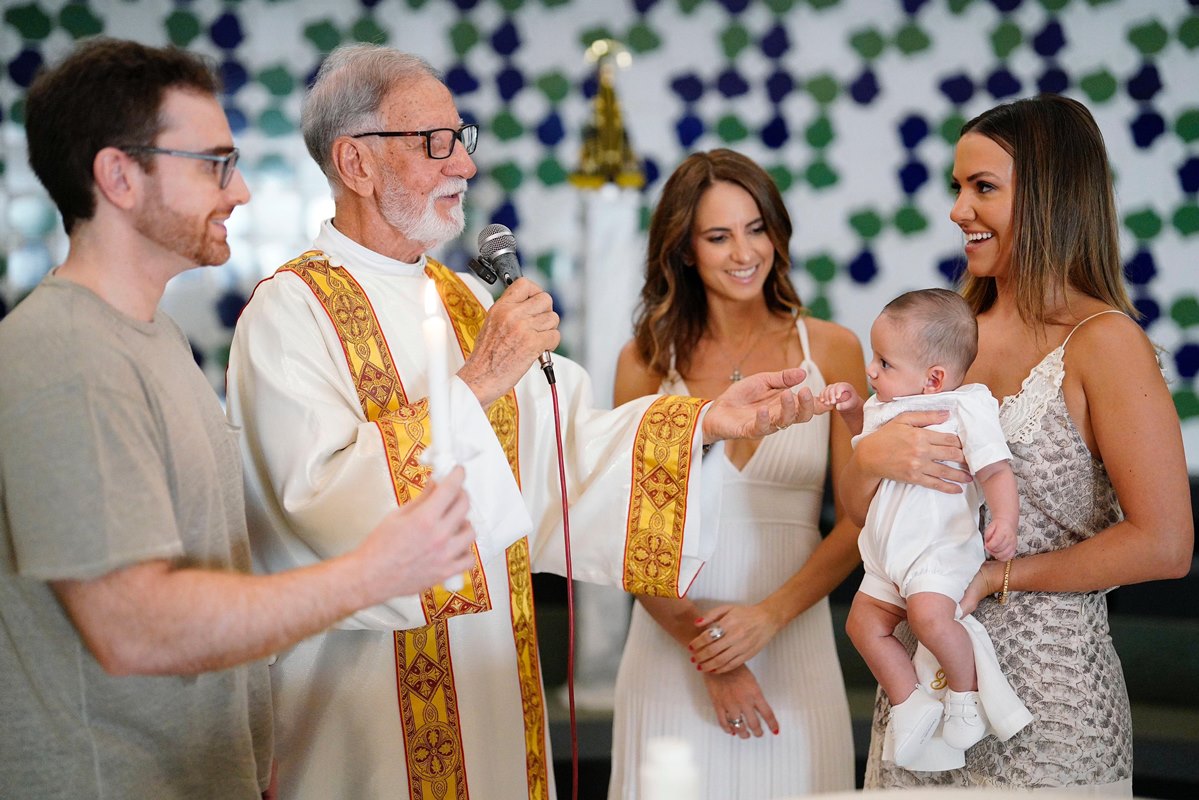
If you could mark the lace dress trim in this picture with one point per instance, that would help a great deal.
(1023, 412)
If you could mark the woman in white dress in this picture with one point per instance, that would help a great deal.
(744, 667)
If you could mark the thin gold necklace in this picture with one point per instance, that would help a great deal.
(736, 374)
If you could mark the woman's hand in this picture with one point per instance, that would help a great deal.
(737, 698)
(988, 580)
(902, 450)
(745, 630)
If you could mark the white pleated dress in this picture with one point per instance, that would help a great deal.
(768, 529)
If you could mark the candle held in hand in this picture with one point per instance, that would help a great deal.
(434, 329)
(439, 456)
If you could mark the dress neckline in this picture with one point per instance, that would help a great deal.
(675, 380)
(1057, 351)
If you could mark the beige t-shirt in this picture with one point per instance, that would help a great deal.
(113, 451)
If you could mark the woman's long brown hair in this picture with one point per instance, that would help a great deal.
(1065, 229)
(673, 311)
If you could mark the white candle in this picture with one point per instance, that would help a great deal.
(439, 456)
(434, 330)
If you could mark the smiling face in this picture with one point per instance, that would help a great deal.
(185, 209)
(732, 250)
(421, 197)
(984, 179)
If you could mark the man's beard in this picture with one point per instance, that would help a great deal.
(402, 210)
(183, 235)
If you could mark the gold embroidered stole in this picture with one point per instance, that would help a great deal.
(467, 315)
(662, 456)
(425, 679)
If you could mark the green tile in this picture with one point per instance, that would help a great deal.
(1099, 86)
(508, 175)
(1006, 38)
(277, 80)
(182, 27)
(1185, 311)
(368, 31)
(1144, 225)
(1186, 219)
(1187, 403)
(820, 175)
(820, 133)
(590, 35)
(550, 172)
(1149, 38)
(823, 88)
(781, 176)
(463, 36)
(821, 267)
(909, 220)
(79, 21)
(323, 34)
(554, 85)
(911, 39)
(642, 38)
(734, 39)
(1188, 32)
(867, 223)
(506, 127)
(730, 129)
(868, 43)
(30, 21)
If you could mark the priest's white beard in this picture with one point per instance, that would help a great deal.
(402, 209)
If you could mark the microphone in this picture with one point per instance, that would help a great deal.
(498, 246)
(498, 260)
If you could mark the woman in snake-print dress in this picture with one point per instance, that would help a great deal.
(1095, 442)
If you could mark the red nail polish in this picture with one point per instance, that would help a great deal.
(775, 732)
(699, 621)
(692, 659)
(699, 667)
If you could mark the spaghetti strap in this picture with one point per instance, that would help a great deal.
(1088, 319)
(803, 340)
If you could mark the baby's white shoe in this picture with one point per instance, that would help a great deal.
(913, 723)
(965, 725)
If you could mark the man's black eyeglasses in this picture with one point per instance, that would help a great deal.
(439, 142)
(228, 161)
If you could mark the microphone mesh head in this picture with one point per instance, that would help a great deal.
(495, 238)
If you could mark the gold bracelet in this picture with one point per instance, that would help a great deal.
(1007, 573)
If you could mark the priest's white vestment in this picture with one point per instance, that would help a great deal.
(437, 695)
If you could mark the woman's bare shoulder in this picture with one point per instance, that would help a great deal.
(634, 378)
(835, 345)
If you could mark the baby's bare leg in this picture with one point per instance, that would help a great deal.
(931, 617)
(871, 628)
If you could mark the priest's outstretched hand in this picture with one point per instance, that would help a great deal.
(759, 405)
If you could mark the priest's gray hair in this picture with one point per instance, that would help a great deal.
(348, 93)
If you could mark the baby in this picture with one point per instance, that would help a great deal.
(920, 547)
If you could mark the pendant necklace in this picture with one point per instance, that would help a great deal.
(736, 374)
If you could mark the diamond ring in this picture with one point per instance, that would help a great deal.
(737, 723)
(715, 632)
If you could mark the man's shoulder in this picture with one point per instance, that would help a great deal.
(47, 332)
(60, 334)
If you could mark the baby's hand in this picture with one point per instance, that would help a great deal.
(1000, 539)
(839, 396)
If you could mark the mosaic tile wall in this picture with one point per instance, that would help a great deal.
(853, 105)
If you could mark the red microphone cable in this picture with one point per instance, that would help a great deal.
(570, 597)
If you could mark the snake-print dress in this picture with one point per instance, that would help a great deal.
(1054, 647)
